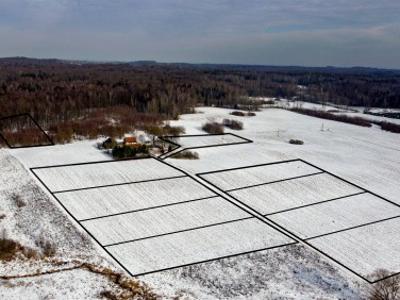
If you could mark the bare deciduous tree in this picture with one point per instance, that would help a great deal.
(388, 289)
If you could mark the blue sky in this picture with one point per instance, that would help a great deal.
(272, 32)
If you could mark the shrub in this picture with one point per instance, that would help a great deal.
(8, 248)
(213, 128)
(173, 130)
(18, 200)
(233, 124)
(186, 155)
(296, 142)
(110, 144)
(47, 247)
(388, 289)
(391, 127)
(121, 152)
(243, 114)
(238, 113)
(330, 116)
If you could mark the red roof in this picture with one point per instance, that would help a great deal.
(130, 140)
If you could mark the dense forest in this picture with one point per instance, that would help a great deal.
(77, 96)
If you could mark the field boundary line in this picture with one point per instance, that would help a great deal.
(248, 167)
(72, 215)
(29, 116)
(167, 138)
(117, 184)
(351, 183)
(147, 208)
(288, 232)
(179, 231)
(275, 181)
(223, 195)
(315, 203)
(79, 222)
(305, 241)
(353, 227)
(214, 259)
(91, 163)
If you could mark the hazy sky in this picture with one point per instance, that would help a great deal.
(272, 32)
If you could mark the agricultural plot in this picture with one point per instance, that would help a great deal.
(187, 248)
(159, 221)
(103, 201)
(333, 216)
(151, 216)
(365, 249)
(289, 194)
(107, 173)
(206, 140)
(319, 208)
(232, 179)
(187, 142)
(22, 131)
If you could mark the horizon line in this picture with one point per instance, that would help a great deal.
(151, 61)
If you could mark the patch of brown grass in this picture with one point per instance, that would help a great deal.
(186, 155)
(10, 249)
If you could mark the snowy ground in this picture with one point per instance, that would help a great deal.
(34, 220)
(366, 156)
(77, 152)
(206, 140)
(294, 193)
(352, 111)
(365, 249)
(145, 238)
(97, 202)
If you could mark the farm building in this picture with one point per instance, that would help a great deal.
(130, 141)
(135, 140)
(143, 138)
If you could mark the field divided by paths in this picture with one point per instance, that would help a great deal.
(320, 209)
(150, 216)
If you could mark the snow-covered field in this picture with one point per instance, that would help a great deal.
(279, 196)
(77, 152)
(188, 247)
(366, 156)
(34, 220)
(118, 228)
(352, 111)
(207, 140)
(163, 220)
(72, 177)
(239, 178)
(335, 215)
(97, 202)
(365, 249)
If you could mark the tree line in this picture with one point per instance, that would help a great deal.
(63, 95)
